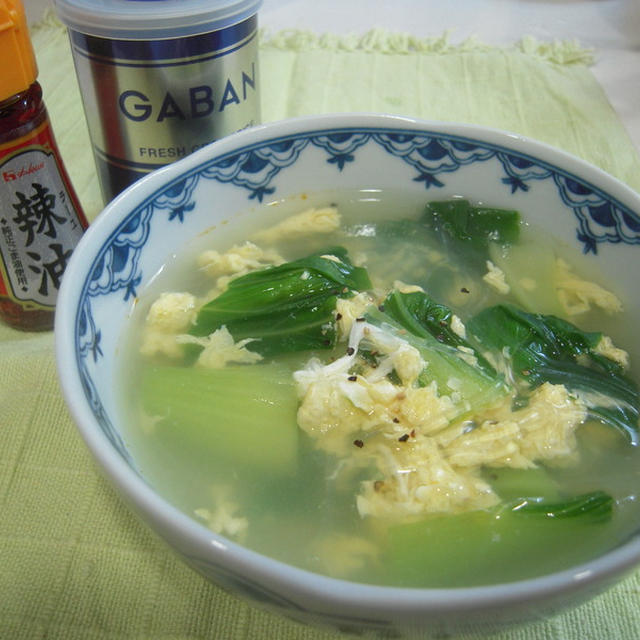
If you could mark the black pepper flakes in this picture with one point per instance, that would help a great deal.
(358, 443)
(350, 351)
(352, 378)
(381, 307)
(396, 420)
(338, 316)
(403, 438)
(464, 290)
(360, 319)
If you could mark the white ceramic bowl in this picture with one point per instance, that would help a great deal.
(131, 239)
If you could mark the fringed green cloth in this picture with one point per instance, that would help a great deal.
(74, 562)
(544, 90)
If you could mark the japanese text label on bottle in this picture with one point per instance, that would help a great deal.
(39, 220)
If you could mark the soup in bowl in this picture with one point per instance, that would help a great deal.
(369, 372)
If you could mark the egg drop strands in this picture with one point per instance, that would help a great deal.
(351, 496)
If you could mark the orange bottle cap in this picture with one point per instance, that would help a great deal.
(19, 69)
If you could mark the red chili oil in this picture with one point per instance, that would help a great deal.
(41, 219)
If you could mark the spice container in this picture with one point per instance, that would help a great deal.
(161, 78)
(40, 216)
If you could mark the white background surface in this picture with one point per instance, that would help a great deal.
(610, 27)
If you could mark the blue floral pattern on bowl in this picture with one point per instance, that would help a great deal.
(252, 170)
(429, 158)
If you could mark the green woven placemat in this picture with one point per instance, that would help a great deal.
(74, 562)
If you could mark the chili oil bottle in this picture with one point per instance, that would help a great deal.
(40, 217)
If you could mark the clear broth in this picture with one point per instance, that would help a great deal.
(310, 521)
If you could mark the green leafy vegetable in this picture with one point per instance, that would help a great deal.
(596, 506)
(415, 318)
(467, 229)
(515, 484)
(288, 307)
(443, 551)
(236, 414)
(419, 314)
(544, 348)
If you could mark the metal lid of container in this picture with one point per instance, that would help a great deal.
(152, 19)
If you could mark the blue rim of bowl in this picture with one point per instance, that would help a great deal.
(233, 557)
